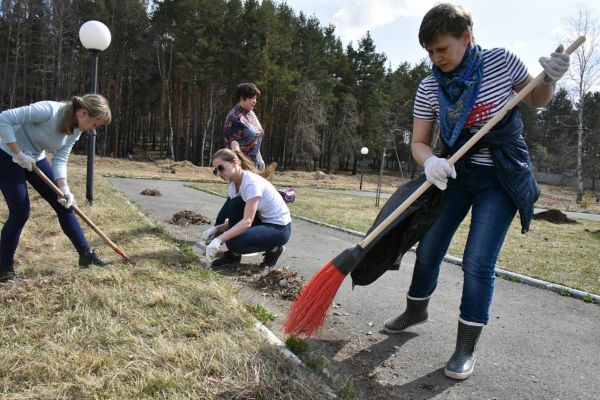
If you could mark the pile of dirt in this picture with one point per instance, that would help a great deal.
(151, 192)
(173, 167)
(280, 282)
(166, 170)
(554, 216)
(189, 218)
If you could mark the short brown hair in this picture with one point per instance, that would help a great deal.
(444, 19)
(246, 90)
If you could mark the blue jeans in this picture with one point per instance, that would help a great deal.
(13, 185)
(479, 189)
(259, 237)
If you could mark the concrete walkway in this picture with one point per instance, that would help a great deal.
(538, 345)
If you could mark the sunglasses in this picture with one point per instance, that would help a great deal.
(220, 168)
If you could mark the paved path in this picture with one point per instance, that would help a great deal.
(538, 345)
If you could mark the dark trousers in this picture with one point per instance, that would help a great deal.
(13, 185)
(259, 237)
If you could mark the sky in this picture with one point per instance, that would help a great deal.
(528, 28)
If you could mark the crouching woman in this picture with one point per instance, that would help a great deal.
(253, 219)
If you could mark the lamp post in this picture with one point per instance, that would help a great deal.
(364, 151)
(95, 37)
(380, 177)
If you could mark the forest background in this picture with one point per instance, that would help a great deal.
(172, 68)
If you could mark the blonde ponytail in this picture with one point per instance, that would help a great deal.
(246, 164)
(96, 105)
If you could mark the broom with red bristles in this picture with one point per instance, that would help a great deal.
(308, 312)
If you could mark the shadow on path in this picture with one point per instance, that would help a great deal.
(372, 369)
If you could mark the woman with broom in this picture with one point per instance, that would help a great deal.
(25, 134)
(254, 218)
(468, 85)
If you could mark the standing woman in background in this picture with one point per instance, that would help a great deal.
(25, 134)
(242, 130)
(467, 87)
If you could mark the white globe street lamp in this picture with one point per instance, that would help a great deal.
(95, 37)
(364, 151)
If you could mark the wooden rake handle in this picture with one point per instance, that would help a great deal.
(80, 213)
(465, 148)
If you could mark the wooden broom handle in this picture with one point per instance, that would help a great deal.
(465, 148)
(76, 209)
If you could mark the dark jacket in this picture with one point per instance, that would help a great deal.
(511, 158)
(385, 252)
(509, 152)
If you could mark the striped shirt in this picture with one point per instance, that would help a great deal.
(502, 72)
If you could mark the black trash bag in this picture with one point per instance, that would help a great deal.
(386, 251)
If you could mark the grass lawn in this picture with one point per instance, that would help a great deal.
(563, 254)
(161, 329)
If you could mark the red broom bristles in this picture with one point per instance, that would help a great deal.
(308, 312)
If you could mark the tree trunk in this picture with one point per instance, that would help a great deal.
(208, 122)
(580, 151)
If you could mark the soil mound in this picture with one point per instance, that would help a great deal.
(554, 217)
(281, 282)
(151, 192)
(189, 218)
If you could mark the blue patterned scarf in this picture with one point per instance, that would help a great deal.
(457, 92)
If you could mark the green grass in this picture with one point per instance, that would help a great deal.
(262, 314)
(162, 329)
(296, 345)
(563, 254)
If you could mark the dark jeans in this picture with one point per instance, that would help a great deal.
(259, 237)
(14, 189)
(477, 188)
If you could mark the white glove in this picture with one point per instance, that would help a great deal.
(24, 161)
(209, 233)
(213, 248)
(68, 199)
(437, 171)
(556, 65)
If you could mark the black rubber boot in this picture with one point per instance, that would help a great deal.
(9, 276)
(90, 258)
(415, 313)
(461, 364)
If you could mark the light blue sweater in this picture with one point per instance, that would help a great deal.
(37, 128)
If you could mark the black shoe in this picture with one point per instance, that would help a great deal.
(415, 313)
(90, 258)
(227, 258)
(271, 257)
(9, 276)
(461, 364)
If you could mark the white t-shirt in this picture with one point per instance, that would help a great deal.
(271, 207)
(502, 72)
